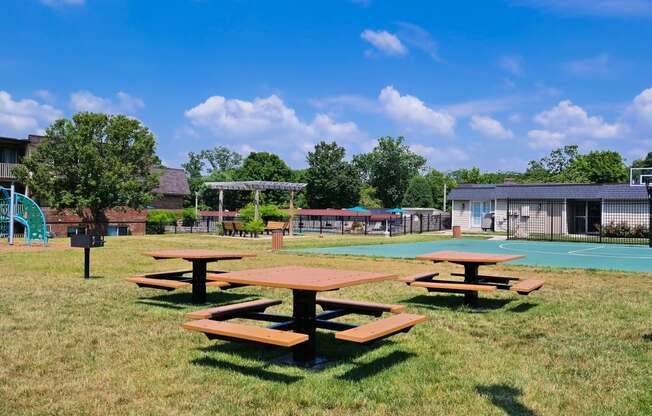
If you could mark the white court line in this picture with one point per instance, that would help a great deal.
(585, 249)
(505, 246)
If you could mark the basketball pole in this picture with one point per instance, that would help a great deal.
(648, 186)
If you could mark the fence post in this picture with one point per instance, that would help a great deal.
(403, 221)
(420, 223)
(411, 224)
(441, 218)
(649, 206)
(508, 219)
(551, 209)
(342, 224)
(366, 221)
(428, 228)
(320, 226)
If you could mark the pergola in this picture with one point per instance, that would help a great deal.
(256, 186)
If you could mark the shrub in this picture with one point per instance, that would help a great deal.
(157, 220)
(624, 230)
(267, 213)
(189, 217)
(254, 226)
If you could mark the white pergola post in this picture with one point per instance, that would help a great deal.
(220, 207)
(291, 228)
(256, 203)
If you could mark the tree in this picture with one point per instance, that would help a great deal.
(646, 162)
(597, 167)
(389, 167)
(263, 166)
(436, 180)
(418, 194)
(221, 159)
(92, 163)
(554, 167)
(369, 198)
(560, 159)
(332, 181)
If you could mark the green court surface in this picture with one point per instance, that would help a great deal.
(631, 258)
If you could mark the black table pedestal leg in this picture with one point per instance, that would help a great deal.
(470, 276)
(304, 311)
(87, 263)
(198, 282)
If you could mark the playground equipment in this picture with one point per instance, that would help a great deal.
(16, 207)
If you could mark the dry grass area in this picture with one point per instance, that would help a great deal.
(580, 346)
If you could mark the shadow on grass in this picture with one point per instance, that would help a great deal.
(180, 300)
(258, 372)
(457, 302)
(362, 371)
(506, 398)
(647, 337)
(522, 307)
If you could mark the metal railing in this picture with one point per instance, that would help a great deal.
(5, 170)
(590, 221)
(391, 224)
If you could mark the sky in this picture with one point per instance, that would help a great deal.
(491, 84)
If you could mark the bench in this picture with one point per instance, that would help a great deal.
(165, 284)
(220, 329)
(382, 328)
(454, 287)
(329, 304)
(222, 312)
(167, 274)
(417, 277)
(524, 287)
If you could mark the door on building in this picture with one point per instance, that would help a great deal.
(478, 211)
(585, 217)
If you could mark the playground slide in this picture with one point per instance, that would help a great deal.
(26, 212)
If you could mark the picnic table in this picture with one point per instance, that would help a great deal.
(200, 277)
(473, 282)
(305, 283)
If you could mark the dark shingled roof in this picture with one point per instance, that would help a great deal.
(547, 191)
(172, 182)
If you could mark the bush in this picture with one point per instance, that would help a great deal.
(189, 217)
(254, 226)
(624, 230)
(267, 213)
(157, 220)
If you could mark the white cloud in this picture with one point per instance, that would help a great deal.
(266, 122)
(59, 3)
(543, 139)
(601, 8)
(641, 107)
(419, 38)
(490, 127)
(568, 122)
(441, 156)
(599, 65)
(123, 103)
(24, 116)
(45, 95)
(384, 42)
(413, 114)
(344, 102)
(511, 64)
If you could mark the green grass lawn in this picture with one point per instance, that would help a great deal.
(580, 346)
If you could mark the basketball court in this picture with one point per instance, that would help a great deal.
(631, 258)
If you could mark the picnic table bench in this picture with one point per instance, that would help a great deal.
(201, 277)
(473, 281)
(305, 283)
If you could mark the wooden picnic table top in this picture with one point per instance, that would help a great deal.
(303, 278)
(191, 254)
(468, 258)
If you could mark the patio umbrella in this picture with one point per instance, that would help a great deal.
(358, 209)
(394, 211)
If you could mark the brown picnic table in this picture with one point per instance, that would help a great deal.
(473, 282)
(305, 283)
(199, 259)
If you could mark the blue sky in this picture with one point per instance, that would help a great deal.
(490, 84)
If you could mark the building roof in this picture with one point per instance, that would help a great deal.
(547, 191)
(256, 185)
(172, 182)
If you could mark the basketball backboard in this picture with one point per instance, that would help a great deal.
(640, 176)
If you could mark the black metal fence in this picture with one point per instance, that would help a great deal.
(593, 221)
(375, 224)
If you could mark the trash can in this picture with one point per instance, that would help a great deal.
(277, 239)
(457, 231)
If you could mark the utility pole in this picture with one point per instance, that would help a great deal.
(197, 204)
(445, 189)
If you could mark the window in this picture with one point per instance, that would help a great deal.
(8, 156)
(478, 210)
(116, 230)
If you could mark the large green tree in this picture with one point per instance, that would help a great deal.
(418, 194)
(332, 181)
(92, 163)
(389, 168)
(597, 167)
(437, 180)
(264, 166)
(213, 165)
